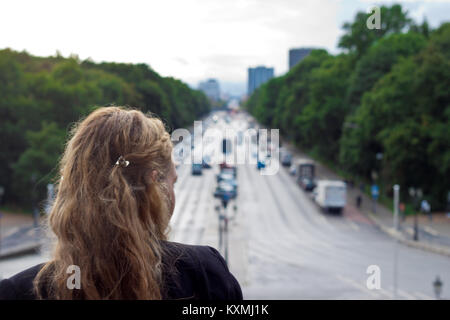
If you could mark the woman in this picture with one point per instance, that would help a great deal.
(111, 217)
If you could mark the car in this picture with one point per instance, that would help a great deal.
(196, 169)
(286, 159)
(227, 178)
(225, 167)
(225, 189)
(305, 174)
(206, 162)
(260, 164)
(293, 170)
(307, 184)
(231, 171)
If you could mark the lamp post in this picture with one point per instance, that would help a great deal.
(2, 192)
(396, 205)
(437, 285)
(396, 225)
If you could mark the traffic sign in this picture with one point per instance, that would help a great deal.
(375, 191)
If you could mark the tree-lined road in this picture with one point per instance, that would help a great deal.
(281, 245)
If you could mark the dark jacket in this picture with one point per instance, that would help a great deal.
(189, 272)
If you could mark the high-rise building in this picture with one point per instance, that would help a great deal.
(257, 76)
(297, 55)
(211, 88)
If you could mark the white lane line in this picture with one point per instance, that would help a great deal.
(9, 232)
(431, 230)
(358, 286)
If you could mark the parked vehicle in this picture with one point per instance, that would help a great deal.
(306, 174)
(197, 169)
(331, 195)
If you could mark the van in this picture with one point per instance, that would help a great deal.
(331, 195)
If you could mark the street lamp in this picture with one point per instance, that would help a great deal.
(437, 285)
(2, 192)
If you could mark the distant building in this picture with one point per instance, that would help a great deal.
(257, 76)
(211, 89)
(297, 55)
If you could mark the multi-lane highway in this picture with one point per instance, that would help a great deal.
(282, 246)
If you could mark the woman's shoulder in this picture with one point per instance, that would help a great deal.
(20, 286)
(209, 269)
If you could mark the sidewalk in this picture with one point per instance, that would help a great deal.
(433, 236)
(17, 234)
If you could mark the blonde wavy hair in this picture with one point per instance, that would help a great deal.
(110, 219)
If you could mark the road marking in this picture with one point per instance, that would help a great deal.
(358, 286)
(431, 230)
(9, 232)
(406, 294)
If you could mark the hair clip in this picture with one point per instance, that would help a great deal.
(122, 162)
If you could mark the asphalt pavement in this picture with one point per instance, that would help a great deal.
(282, 246)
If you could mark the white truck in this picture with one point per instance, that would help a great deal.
(331, 195)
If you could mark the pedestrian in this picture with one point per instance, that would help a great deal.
(110, 219)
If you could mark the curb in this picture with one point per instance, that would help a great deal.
(398, 236)
(20, 250)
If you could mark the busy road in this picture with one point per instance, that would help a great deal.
(280, 244)
(283, 246)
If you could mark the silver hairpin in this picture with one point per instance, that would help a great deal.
(122, 162)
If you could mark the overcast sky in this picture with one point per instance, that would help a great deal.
(188, 39)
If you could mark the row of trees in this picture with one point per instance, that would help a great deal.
(41, 97)
(387, 94)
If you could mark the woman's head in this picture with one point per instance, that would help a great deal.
(109, 216)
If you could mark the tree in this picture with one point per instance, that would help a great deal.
(379, 60)
(358, 38)
(38, 162)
